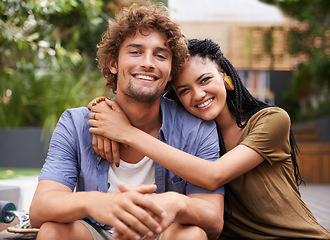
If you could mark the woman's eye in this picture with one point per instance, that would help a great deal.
(204, 80)
(183, 91)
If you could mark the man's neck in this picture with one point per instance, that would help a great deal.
(145, 116)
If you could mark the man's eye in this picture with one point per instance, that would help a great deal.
(161, 56)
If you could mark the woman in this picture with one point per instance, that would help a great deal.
(258, 152)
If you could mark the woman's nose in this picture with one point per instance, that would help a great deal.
(199, 94)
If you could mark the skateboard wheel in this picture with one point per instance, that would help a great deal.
(5, 208)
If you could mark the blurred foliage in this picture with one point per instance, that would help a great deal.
(47, 57)
(309, 96)
(310, 11)
(10, 173)
(47, 52)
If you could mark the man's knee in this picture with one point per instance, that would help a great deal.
(75, 230)
(48, 230)
(194, 233)
(187, 232)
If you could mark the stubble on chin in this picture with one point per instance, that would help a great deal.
(143, 94)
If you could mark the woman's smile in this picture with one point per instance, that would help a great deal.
(205, 104)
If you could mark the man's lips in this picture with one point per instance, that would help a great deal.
(145, 77)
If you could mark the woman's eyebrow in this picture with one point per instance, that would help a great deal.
(201, 76)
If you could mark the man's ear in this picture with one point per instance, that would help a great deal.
(169, 78)
(113, 67)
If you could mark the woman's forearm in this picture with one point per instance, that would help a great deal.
(203, 173)
(189, 167)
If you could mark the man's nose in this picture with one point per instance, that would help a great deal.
(148, 61)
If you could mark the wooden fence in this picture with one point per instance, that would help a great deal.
(314, 162)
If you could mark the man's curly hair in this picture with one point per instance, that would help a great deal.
(142, 19)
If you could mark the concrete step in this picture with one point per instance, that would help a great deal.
(19, 191)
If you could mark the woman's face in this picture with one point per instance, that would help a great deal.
(200, 88)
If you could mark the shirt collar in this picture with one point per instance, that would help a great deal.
(163, 128)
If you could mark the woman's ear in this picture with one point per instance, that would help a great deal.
(113, 67)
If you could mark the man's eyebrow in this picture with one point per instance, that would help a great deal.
(201, 76)
(140, 45)
(133, 45)
(163, 49)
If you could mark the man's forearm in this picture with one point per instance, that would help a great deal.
(203, 213)
(59, 206)
(203, 210)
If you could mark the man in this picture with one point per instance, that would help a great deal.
(138, 55)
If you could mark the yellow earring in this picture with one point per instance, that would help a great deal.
(229, 83)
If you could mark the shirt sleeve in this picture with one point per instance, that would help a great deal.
(268, 134)
(208, 150)
(61, 162)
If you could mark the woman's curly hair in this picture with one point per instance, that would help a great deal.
(142, 19)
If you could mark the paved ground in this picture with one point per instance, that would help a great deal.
(316, 197)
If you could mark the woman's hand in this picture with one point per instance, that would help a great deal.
(108, 120)
(92, 103)
(109, 125)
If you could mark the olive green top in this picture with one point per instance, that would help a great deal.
(265, 202)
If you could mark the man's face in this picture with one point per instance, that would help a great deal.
(144, 66)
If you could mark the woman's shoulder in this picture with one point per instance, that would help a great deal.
(273, 122)
(273, 114)
(267, 132)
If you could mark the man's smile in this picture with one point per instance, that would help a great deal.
(145, 77)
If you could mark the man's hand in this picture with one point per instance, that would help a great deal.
(169, 201)
(142, 188)
(130, 212)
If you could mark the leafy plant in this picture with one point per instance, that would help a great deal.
(47, 52)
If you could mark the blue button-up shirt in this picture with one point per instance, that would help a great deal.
(72, 161)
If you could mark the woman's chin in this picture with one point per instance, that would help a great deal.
(206, 117)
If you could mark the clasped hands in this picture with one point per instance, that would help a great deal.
(146, 225)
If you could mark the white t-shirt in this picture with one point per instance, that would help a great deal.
(131, 174)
